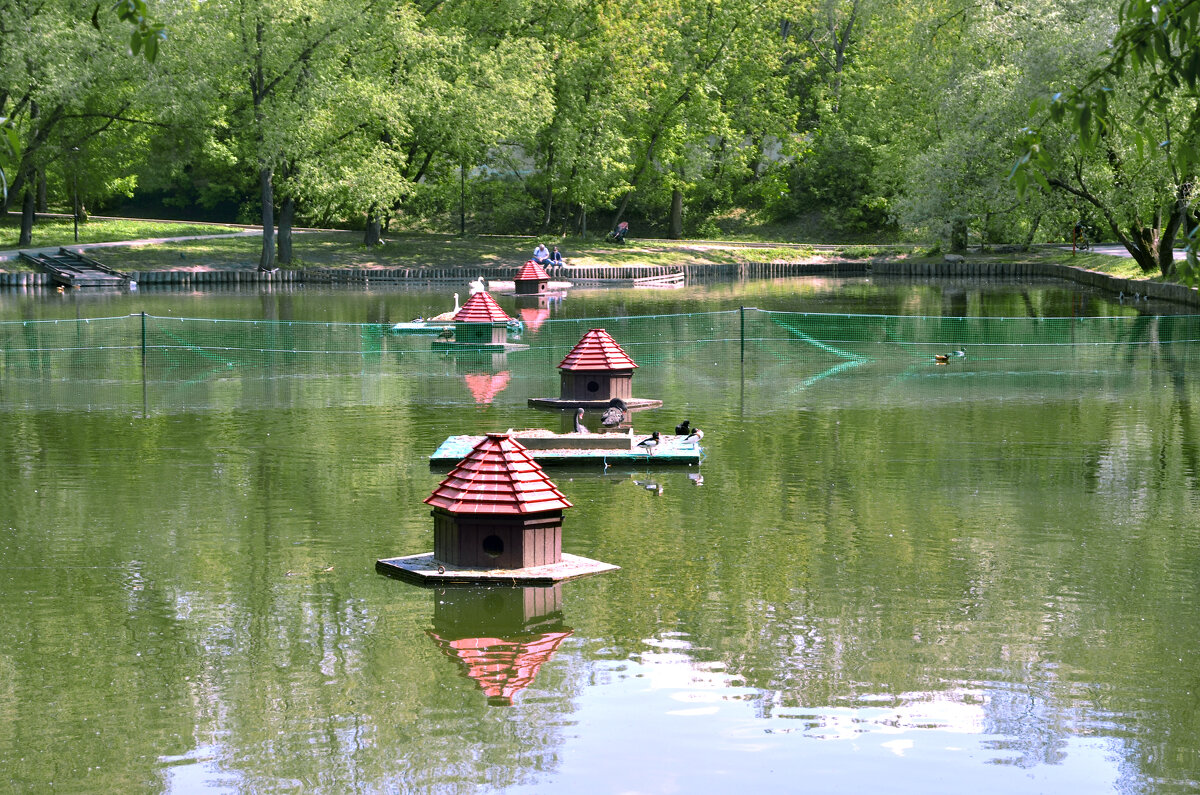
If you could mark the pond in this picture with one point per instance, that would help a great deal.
(886, 573)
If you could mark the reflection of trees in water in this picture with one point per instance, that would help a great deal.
(997, 561)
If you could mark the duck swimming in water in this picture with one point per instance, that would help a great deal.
(943, 358)
(615, 413)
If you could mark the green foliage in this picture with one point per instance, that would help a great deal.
(836, 179)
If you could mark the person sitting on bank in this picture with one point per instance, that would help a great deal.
(556, 258)
(540, 255)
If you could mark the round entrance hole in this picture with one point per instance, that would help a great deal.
(593, 386)
(493, 546)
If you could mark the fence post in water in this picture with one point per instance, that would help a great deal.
(145, 389)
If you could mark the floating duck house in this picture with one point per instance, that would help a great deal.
(597, 368)
(595, 371)
(496, 518)
(532, 279)
(480, 322)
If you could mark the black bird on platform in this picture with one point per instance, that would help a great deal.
(615, 413)
(682, 428)
(649, 443)
(579, 427)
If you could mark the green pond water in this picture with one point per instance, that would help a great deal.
(887, 575)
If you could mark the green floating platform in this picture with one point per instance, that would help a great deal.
(571, 448)
(427, 570)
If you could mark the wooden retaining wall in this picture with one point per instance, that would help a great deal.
(696, 274)
(945, 270)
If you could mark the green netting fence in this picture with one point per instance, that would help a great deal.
(178, 363)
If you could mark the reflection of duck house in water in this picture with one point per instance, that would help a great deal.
(497, 518)
(501, 637)
(595, 371)
(532, 279)
(479, 325)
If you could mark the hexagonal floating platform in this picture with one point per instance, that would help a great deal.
(427, 570)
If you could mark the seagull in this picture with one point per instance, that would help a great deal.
(614, 414)
(649, 443)
(579, 427)
(694, 437)
(682, 428)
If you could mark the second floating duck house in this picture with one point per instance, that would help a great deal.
(497, 518)
(532, 279)
(479, 324)
(595, 371)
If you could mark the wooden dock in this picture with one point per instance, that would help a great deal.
(72, 269)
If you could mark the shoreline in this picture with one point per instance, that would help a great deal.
(699, 273)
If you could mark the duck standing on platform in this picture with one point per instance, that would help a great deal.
(682, 428)
(694, 436)
(579, 426)
(649, 443)
(614, 415)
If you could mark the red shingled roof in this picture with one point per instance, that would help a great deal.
(531, 271)
(484, 387)
(498, 477)
(502, 666)
(597, 351)
(481, 308)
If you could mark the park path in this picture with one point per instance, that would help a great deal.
(7, 256)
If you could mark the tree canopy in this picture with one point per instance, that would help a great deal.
(835, 119)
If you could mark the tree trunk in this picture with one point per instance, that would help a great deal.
(676, 231)
(371, 236)
(266, 261)
(1166, 242)
(958, 235)
(27, 207)
(1037, 221)
(582, 221)
(42, 205)
(287, 213)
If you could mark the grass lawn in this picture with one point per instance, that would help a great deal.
(58, 231)
(334, 249)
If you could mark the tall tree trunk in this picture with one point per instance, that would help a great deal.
(27, 213)
(676, 231)
(548, 202)
(371, 235)
(582, 221)
(1037, 221)
(266, 261)
(42, 205)
(287, 214)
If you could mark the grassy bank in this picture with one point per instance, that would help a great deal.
(60, 231)
(327, 249)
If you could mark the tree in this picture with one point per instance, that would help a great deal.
(65, 88)
(1138, 111)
